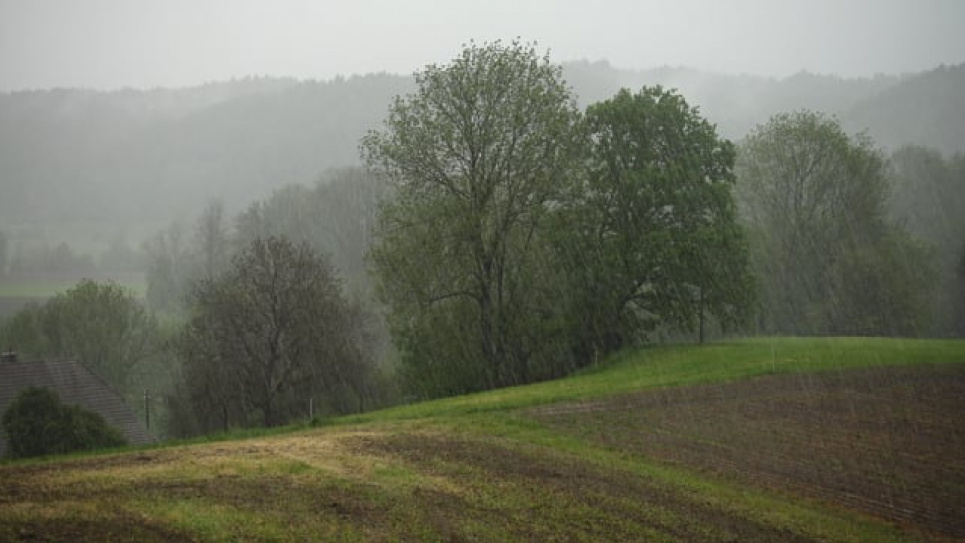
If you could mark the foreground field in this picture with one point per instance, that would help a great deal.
(885, 441)
(773, 440)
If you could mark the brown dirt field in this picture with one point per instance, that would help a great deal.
(624, 507)
(885, 441)
(463, 488)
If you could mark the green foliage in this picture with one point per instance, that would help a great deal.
(475, 158)
(827, 259)
(101, 325)
(38, 424)
(657, 242)
(657, 366)
(928, 198)
(524, 241)
(958, 296)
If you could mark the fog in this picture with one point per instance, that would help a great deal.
(108, 44)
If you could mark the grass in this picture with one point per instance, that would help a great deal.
(681, 365)
(478, 467)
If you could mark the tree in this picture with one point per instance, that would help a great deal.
(101, 325)
(212, 241)
(267, 335)
(37, 424)
(928, 196)
(823, 249)
(476, 158)
(958, 292)
(170, 270)
(656, 240)
(4, 248)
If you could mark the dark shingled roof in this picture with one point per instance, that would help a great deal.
(76, 386)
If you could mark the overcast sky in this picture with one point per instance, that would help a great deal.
(108, 44)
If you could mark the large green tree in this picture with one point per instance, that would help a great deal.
(656, 241)
(476, 158)
(828, 260)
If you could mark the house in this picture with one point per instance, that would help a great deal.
(76, 386)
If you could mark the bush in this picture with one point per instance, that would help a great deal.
(37, 424)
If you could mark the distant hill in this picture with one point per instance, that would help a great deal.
(92, 157)
(926, 109)
(97, 163)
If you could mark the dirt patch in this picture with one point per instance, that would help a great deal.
(886, 441)
(115, 529)
(547, 495)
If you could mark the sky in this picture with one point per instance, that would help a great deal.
(110, 44)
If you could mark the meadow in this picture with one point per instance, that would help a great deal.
(776, 439)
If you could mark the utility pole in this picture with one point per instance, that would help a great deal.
(147, 409)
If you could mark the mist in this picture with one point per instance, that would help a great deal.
(111, 44)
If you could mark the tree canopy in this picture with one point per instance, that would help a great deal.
(522, 239)
(268, 335)
(658, 239)
(475, 157)
(828, 259)
(100, 324)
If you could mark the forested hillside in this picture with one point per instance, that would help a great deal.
(79, 165)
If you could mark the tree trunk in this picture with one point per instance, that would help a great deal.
(700, 309)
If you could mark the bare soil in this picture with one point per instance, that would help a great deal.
(555, 492)
(887, 441)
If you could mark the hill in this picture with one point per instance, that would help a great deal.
(928, 110)
(755, 440)
(84, 166)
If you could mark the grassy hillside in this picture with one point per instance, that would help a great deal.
(755, 440)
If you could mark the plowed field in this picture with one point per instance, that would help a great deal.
(887, 441)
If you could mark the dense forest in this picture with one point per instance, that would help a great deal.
(312, 248)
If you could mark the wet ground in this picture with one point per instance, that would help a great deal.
(888, 441)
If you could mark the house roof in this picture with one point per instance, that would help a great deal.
(76, 386)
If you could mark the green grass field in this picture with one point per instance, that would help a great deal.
(751, 440)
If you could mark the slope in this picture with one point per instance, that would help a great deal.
(664, 444)
(926, 109)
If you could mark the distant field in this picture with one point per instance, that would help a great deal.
(15, 292)
(759, 440)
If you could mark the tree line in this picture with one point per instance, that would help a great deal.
(501, 235)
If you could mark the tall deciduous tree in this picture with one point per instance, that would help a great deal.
(827, 258)
(476, 158)
(272, 331)
(928, 199)
(657, 241)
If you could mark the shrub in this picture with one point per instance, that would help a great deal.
(37, 424)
